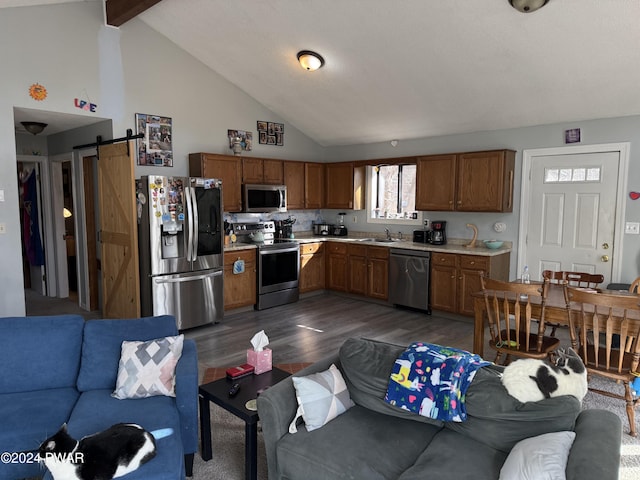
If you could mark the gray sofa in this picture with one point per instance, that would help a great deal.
(374, 440)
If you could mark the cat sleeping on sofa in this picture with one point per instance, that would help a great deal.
(112, 453)
(531, 380)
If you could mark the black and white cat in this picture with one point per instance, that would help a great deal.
(112, 453)
(530, 380)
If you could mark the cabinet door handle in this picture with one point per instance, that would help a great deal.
(472, 263)
(509, 204)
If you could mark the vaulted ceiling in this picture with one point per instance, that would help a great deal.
(399, 69)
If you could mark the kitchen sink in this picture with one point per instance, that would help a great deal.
(378, 240)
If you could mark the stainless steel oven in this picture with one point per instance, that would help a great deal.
(278, 273)
(278, 264)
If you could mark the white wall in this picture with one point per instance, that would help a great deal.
(124, 71)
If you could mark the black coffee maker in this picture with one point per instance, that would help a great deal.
(437, 235)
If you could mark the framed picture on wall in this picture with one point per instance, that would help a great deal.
(155, 148)
(270, 133)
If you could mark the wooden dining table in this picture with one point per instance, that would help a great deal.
(555, 311)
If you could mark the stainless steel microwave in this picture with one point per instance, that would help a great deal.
(264, 198)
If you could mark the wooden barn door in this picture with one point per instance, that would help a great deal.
(118, 231)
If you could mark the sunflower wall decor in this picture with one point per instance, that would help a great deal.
(37, 92)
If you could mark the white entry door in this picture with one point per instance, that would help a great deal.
(572, 213)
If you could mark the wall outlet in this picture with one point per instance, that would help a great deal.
(355, 219)
(3, 228)
(632, 228)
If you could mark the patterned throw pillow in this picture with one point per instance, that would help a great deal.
(321, 397)
(147, 369)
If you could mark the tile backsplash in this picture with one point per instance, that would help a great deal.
(303, 218)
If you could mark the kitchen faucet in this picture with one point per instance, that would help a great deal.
(388, 233)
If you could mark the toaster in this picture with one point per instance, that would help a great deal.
(420, 236)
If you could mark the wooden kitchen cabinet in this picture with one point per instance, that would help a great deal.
(312, 267)
(344, 186)
(337, 269)
(272, 171)
(485, 181)
(358, 269)
(378, 281)
(436, 182)
(454, 277)
(224, 167)
(444, 281)
(294, 180)
(466, 182)
(314, 174)
(369, 271)
(262, 170)
(239, 288)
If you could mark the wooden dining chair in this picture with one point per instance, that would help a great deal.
(633, 288)
(573, 279)
(594, 321)
(512, 329)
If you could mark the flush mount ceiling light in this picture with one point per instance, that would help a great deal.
(528, 6)
(34, 127)
(309, 60)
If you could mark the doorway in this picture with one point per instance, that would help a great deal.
(572, 209)
(67, 226)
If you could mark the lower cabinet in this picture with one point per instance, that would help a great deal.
(454, 277)
(369, 271)
(312, 267)
(239, 288)
(378, 286)
(337, 267)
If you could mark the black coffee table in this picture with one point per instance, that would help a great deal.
(218, 393)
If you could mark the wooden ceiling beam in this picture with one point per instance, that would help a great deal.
(121, 11)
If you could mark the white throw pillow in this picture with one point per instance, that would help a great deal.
(321, 397)
(539, 458)
(147, 369)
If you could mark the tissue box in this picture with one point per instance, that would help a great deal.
(261, 361)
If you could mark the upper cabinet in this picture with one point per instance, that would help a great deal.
(466, 182)
(262, 170)
(344, 185)
(294, 181)
(313, 185)
(224, 167)
(436, 182)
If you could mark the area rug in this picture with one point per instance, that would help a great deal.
(228, 436)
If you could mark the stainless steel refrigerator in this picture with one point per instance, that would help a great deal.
(180, 240)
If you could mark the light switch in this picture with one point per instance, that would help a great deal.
(2, 195)
(3, 228)
(632, 228)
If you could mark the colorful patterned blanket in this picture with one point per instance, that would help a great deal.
(432, 380)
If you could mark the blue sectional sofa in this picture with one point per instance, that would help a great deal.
(58, 369)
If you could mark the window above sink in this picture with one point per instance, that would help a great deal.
(391, 192)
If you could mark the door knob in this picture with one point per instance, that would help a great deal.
(604, 258)
(605, 245)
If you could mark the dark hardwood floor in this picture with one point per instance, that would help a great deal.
(316, 326)
(306, 331)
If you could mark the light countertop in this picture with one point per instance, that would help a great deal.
(452, 246)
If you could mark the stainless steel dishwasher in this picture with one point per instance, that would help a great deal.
(409, 278)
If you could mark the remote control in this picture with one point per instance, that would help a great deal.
(234, 389)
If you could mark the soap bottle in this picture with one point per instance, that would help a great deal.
(526, 276)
